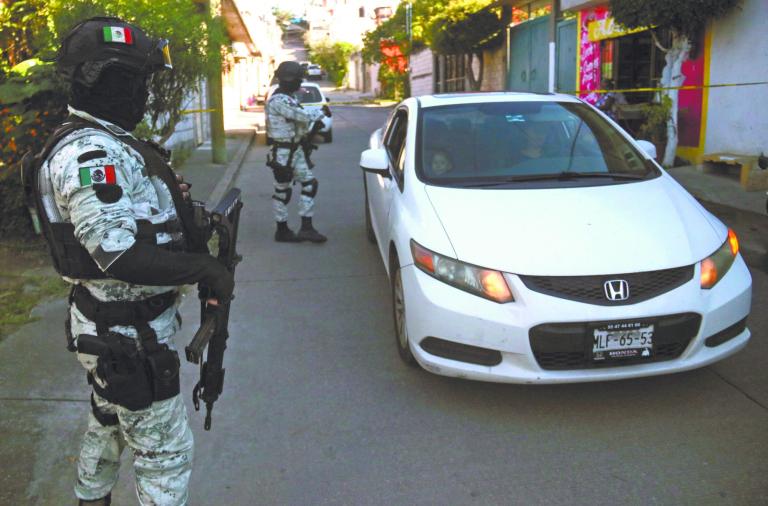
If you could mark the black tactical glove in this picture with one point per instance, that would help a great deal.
(145, 264)
(327, 110)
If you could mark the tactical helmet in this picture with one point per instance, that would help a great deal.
(289, 71)
(101, 42)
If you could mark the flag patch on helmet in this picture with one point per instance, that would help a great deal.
(121, 34)
(95, 175)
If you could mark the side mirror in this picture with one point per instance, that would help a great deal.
(648, 147)
(375, 161)
(327, 99)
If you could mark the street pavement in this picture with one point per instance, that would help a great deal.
(318, 408)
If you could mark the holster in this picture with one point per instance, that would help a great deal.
(134, 376)
(282, 173)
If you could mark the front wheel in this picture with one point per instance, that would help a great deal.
(399, 314)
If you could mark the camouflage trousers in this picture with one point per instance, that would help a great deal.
(303, 175)
(161, 442)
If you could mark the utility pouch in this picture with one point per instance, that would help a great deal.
(164, 369)
(282, 173)
(91, 345)
(122, 367)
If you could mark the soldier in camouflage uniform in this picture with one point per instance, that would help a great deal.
(288, 123)
(99, 182)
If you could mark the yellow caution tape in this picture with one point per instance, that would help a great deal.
(193, 111)
(639, 90)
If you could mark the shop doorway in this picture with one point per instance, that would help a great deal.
(567, 40)
(529, 56)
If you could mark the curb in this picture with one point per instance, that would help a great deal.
(233, 168)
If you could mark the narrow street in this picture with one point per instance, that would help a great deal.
(318, 408)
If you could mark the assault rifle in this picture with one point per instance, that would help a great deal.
(223, 221)
(306, 142)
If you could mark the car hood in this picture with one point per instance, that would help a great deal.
(613, 229)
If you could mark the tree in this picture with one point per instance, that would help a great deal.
(685, 20)
(467, 27)
(332, 57)
(445, 26)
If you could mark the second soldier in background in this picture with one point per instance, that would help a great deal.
(288, 122)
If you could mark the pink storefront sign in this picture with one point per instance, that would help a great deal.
(589, 64)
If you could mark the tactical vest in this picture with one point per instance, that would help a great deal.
(70, 258)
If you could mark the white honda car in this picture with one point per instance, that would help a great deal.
(528, 239)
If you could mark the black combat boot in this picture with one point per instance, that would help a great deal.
(104, 501)
(285, 234)
(308, 232)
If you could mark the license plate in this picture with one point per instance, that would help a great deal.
(622, 340)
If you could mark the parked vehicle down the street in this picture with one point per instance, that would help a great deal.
(528, 239)
(311, 97)
(314, 72)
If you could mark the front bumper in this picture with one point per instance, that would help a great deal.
(435, 309)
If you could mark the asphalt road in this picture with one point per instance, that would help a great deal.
(318, 408)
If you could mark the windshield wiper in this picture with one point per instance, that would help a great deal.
(559, 176)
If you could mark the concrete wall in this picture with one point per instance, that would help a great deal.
(735, 121)
(422, 75)
(193, 129)
(494, 73)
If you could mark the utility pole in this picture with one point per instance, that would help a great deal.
(215, 94)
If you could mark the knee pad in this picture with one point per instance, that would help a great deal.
(287, 192)
(309, 188)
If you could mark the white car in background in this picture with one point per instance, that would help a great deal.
(314, 72)
(528, 239)
(311, 97)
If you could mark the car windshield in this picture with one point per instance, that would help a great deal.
(309, 95)
(492, 144)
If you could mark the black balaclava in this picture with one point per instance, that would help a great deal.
(288, 87)
(118, 96)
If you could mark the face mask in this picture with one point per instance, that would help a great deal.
(290, 86)
(119, 96)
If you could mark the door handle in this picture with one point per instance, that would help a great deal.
(522, 75)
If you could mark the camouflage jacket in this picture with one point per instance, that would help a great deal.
(287, 120)
(87, 156)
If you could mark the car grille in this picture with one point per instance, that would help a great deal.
(591, 290)
(562, 346)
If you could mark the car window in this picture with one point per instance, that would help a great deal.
(395, 137)
(474, 143)
(309, 95)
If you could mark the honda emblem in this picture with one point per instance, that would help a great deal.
(616, 290)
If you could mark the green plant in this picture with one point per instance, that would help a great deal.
(393, 83)
(332, 57)
(655, 118)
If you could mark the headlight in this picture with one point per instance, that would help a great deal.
(714, 267)
(485, 283)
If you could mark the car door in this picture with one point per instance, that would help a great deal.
(380, 189)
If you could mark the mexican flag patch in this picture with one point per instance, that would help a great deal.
(121, 34)
(92, 175)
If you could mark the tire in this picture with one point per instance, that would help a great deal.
(369, 233)
(398, 316)
(328, 136)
